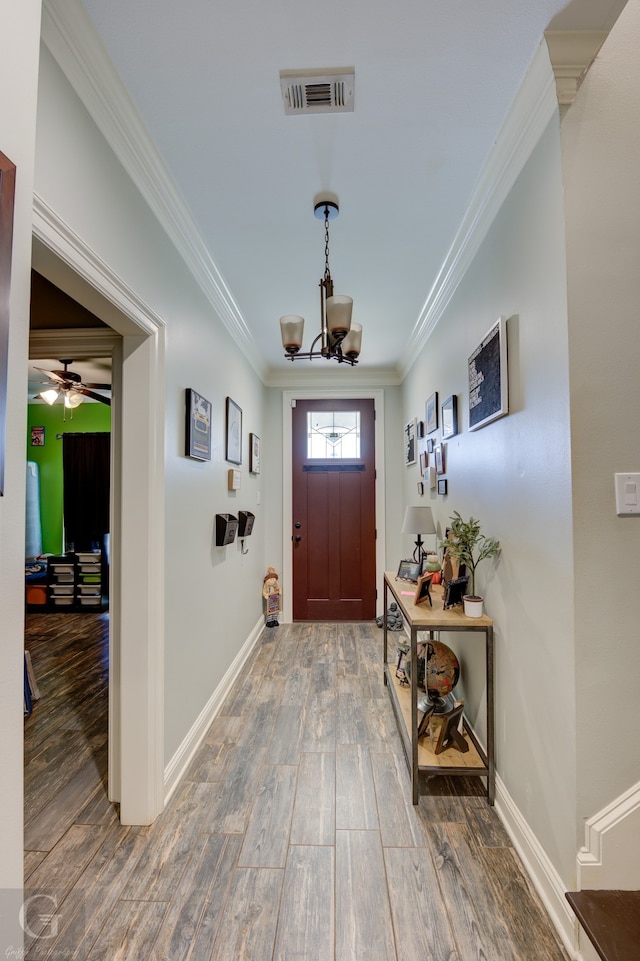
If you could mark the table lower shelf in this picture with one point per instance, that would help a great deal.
(451, 761)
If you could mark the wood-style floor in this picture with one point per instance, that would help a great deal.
(292, 837)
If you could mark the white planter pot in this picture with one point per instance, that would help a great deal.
(473, 605)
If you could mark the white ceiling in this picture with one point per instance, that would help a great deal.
(434, 82)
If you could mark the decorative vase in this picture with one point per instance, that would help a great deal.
(472, 605)
(432, 564)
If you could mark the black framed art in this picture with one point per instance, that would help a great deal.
(431, 412)
(449, 416)
(410, 442)
(439, 457)
(488, 377)
(197, 433)
(234, 432)
(254, 454)
(442, 485)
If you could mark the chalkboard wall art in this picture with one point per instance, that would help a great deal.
(488, 379)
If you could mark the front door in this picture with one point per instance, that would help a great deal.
(333, 524)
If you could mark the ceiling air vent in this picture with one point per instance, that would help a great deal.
(318, 91)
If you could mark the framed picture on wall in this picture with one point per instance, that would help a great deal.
(198, 426)
(7, 194)
(431, 411)
(488, 377)
(410, 442)
(254, 454)
(439, 456)
(450, 417)
(234, 432)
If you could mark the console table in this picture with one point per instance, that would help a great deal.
(420, 755)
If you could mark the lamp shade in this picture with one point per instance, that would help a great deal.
(50, 395)
(292, 330)
(353, 341)
(72, 399)
(418, 520)
(339, 315)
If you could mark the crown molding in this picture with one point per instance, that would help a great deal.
(572, 52)
(70, 37)
(532, 109)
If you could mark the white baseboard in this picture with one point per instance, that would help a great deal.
(177, 766)
(544, 876)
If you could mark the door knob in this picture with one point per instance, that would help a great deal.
(297, 538)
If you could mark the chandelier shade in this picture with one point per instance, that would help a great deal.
(338, 339)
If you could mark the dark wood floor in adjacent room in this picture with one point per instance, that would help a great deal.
(292, 837)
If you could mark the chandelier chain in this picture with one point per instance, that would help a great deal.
(327, 273)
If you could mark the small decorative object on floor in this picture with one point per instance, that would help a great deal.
(272, 594)
(394, 618)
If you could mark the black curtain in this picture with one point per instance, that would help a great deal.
(85, 464)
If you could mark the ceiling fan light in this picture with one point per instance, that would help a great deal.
(292, 330)
(352, 342)
(72, 399)
(50, 395)
(339, 316)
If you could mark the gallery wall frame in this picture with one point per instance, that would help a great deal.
(488, 377)
(439, 455)
(197, 434)
(410, 447)
(233, 432)
(431, 413)
(449, 417)
(7, 197)
(254, 454)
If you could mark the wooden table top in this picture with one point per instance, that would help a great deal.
(426, 617)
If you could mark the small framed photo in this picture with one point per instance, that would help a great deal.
(424, 461)
(430, 445)
(197, 441)
(431, 410)
(450, 417)
(439, 456)
(442, 485)
(422, 589)
(254, 454)
(37, 436)
(410, 442)
(234, 432)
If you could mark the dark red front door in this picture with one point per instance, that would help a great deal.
(333, 523)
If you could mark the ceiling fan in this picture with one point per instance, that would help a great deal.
(70, 384)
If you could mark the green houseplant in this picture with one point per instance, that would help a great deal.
(470, 546)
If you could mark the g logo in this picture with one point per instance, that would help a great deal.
(48, 919)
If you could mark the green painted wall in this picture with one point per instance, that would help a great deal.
(88, 418)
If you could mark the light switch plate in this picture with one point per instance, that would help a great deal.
(627, 494)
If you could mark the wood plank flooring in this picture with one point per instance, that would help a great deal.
(292, 836)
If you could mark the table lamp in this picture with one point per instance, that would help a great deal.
(418, 521)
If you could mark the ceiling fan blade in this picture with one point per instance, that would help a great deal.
(97, 386)
(90, 393)
(53, 375)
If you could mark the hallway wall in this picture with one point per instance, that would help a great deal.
(212, 596)
(514, 476)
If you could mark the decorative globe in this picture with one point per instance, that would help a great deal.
(442, 670)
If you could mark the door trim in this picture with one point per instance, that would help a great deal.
(136, 685)
(288, 396)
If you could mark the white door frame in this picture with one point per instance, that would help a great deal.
(136, 688)
(288, 399)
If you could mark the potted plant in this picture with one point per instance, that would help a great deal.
(470, 547)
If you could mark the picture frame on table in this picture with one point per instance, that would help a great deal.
(423, 589)
(254, 454)
(431, 413)
(449, 417)
(233, 432)
(197, 435)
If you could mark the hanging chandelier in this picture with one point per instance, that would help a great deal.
(339, 339)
